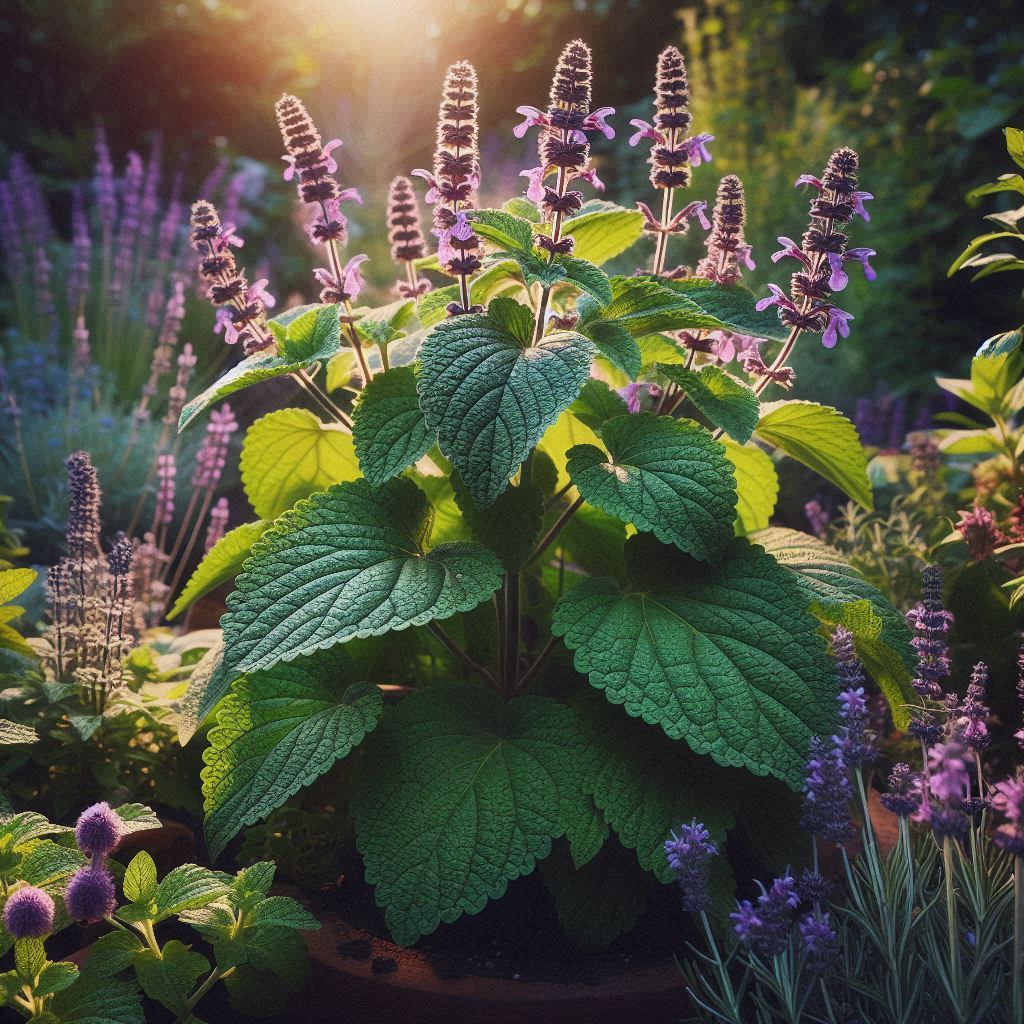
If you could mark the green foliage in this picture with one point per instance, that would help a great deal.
(727, 403)
(757, 486)
(603, 231)
(12, 583)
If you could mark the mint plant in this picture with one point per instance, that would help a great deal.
(552, 476)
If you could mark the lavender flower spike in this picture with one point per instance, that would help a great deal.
(827, 794)
(725, 245)
(903, 796)
(930, 623)
(1009, 801)
(688, 855)
(765, 926)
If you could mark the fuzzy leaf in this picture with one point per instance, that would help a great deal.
(732, 307)
(726, 401)
(824, 440)
(187, 888)
(136, 818)
(221, 563)
(112, 953)
(726, 657)
(289, 454)
(664, 476)
(510, 527)
(349, 562)
(603, 231)
(95, 999)
(276, 732)
(490, 399)
(140, 878)
(456, 795)
(170, 977)
(757, 486)
(282, 912)
(597, 404)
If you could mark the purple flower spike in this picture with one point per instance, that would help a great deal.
(903, 796)
(350, 285)
(688, 854)
(766, 927)
(819, 940)
(533, 118)
(98, 830)
(697, 149)
(1009, 801)
(838, 326)
(28, 913)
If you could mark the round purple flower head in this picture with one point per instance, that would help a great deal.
(28, 913)
(90, 894)
(98, 830)
(688, 854)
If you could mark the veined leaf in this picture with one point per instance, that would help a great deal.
(725, 400)
(726, 657)
(510, 527)
(170, 977)
(96, 999)
(288, 454)
(13, 733)
(14, 582)
(597, 404)
(349, 562)
(664, 476)
(824, 440)
(489, 282)
(490, 398)
(603, 231)
(732, 306)
(757, 486)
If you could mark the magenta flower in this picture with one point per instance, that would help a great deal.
(590, 176)
(226, 237)
(727, 345)
(777, 298)
(645, 130)
(533, 118)
(839, 279)
(790, 248)
(535, 189)
(350, 285)
(595, 121)
(432, 193)
(838, 326)
(809, 179)
(697, 150)
(460, 230)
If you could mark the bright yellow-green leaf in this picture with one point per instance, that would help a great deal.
(757, 486)
(14, 582)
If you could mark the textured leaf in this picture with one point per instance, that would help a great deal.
(757, 486)
(280, 950)
(732, 307)
(726, 657)
(140, 878)
(276, 732)
(304, 341)
(596, 404)
(646, 784)
(14, 582)
(726, 401)
(585, 830)
(510, 527)
(282, 912)
(112, 953)
(664, 476)
(55, 977)
(94, 999)
(489, 282)
(509, 233)
(490, 399)
(289, 454)
(586, 277)
(170, 977)
(26, 825)
(603, 231)
(824, 440)
(388, 427)
(599, 902)
(187, 888)
(350, 562)
(882, 639)
(209, 682)
(136, 818)
(221, 563)
(49, 864)
(12, 733)
(456, 795)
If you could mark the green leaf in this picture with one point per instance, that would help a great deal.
(210, 681)
(27, 825)
(456, 795)
(94, 999)
(384, 324)
(586, 277)
(388, 427)
(726, 401)
(276, 732)
(597, 404)
(280, 950)
(170, 976)
(136, 818)
(311, 338)
(255, 880)
(520, 206)
(646, 784)
(288, 454)
(490, 399)
(13, 733)
(731, 307)
(664, 476)
(55, 977)
(221, 563)
(726, 657)
(757, 486)
(140, 878)
(29, 959)
(1006, 183)
(1015, 145)
(585, 830)
(14, 582)
(510, 527)
(112, 953)
(512, 235)
(600, 901)
(48, 865)
(350, 562)
(881, 638)
(603, 231)
(282, 912)
(489, 282)
(187, 888)
(824, 440)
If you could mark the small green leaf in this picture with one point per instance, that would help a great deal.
(136, 818)
(490, 399)
(613, 341)
(282, 912)
(186, 888)
(1015, 145)
(512, 235)
(288, 454)
(29, 959)
(14, 582)
(726, 657)
(350, 562)
(140, 878)
(112, 953)
(824, 440)
(757, 486)
(603, 231)
(664, 476)
(586, 277)
(388, 428)
(255, 880)
(276, 732)
(95, 999)
(280, 950)
(48, 865)
(726, 401)
(170, 976)
(597, 404)
(456, 795)
(510, 527)
(55, 977)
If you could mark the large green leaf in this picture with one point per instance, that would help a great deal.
(510, 527)
(757, 486)
(603, 231)
(726, 401)
(312, 336)
(388, 427)
(276, 732)
(726, 657)
(95, 999)
(597, 404)
(733, 307)
(221, 563)
(14, 582)
(456, 795)
(490, 398)
(170, 975)
(880, 633)
(288, 454)
(646, 784)
(349, 562)
(664, 476)
(824, 440)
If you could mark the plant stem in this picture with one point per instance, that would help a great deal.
(534, 670)
(452, 647)
(211, 979)
(951, 916)
(557, 528)
(510, 668)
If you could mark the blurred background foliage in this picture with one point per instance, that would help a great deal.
(922, 90)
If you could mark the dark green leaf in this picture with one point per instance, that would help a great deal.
(170, 977)
(510, 527)
(596, 404)
(727, 402)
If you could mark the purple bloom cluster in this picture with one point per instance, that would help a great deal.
(90, 894)
(827, 793)
(689, 854)
(166, 472)
(903, 795)
(764, 926)
(213, 452)
(28, 913)
(854, 742)
(947, 788)
(978, 528)
(820, 941)
(973, 712)
(406, 236)
(930, 624)
(83, 529)
(1008, 799)
(218, 524)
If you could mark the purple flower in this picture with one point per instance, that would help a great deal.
(980, 532)
(460, 230)
(1008, 799)
(90, 894)
(728, 345)
(217, 526)
(974, 712)
(930, 623)
(645, 130)
(688, 855)
(819, 940)
(697, 150)
(590, 176)
(790, 248)
(766, 926)
(903, 796)
(325, 154)
(818, 517)
(350, 285)
(595, 121)
(858, 203)
(636, 393)
(777, 298)
(535, 189)
(838, 326)
(28, 913)
(532, 118)
(839, 279)
(827, 793)
(98, 830)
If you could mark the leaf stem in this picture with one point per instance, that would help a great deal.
(534, 670)
(557, 528)
(462, 655)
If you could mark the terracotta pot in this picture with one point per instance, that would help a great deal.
(377, 982)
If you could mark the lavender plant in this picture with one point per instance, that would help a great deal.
(472, 485)
(53, 876)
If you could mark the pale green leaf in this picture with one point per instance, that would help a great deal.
(14, 582)
(757, 486)
(603, 231)
(140, 878)
(13, 733)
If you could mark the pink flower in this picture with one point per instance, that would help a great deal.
(645, 131)
(839, 279)
(790, 248)
(745, 255)
(809, 179)
(226, 237)
(432, 192)
(697, 150)
(350, 285)
(590, 175)
(727, 345)
(695, 211)
(533, 118)
(777, 298)
(838, 323)
(595, 121)
(461, 230)
(535, 190)
(258, 293)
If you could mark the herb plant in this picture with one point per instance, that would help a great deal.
(538, 461)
